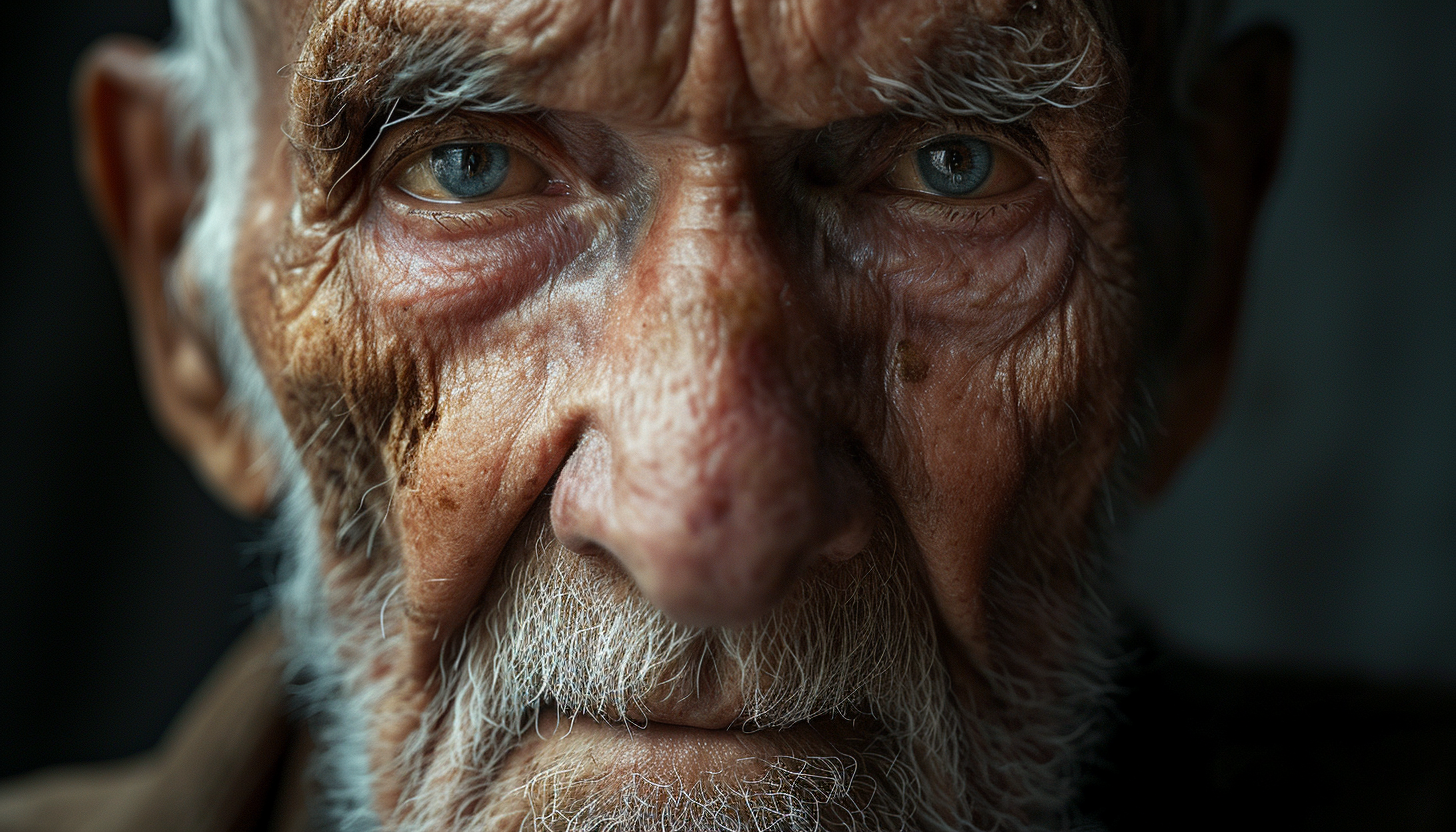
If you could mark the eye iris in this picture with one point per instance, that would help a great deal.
(955, 166)
(470, 171)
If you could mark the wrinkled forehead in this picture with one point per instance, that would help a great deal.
(708, 65)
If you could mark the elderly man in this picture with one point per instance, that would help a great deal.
(679, 415)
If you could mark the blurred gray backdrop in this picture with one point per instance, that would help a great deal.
(1318, 525)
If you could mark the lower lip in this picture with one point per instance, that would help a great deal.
(665, 747)
(597, 760)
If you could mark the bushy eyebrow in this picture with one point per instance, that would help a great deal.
(357, 76)
(1000, 74)
(431, 76)
(361, 73)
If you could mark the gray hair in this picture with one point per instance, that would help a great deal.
(213, 72)
(213, 67)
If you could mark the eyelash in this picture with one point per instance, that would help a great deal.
(452, 131)
(473, 220)
(967, 216)
(480, 217)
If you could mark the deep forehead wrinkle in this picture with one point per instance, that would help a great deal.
(705, 66)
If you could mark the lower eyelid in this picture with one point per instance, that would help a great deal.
(993, 215)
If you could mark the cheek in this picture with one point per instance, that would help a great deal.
(988, 361)
(464, 268)
(415, 358)
(358, 401)
(505, 320)
(481, 469)
(377, 336)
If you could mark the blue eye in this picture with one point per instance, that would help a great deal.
(470, 171)
(954, 165)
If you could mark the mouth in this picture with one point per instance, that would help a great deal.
(577, 766)
(576, 705)
(684, 751)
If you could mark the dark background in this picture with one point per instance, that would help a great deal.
(120, 580)
(1315, 531)
(1317, 528)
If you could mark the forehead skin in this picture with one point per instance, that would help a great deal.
(718, 72)
(707, 66)
(714, 71)
(714, 75)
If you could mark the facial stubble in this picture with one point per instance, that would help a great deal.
(842, 692)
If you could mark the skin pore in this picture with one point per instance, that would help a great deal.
(718, 370)
(716, 329)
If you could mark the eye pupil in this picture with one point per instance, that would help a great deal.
(470, 171)
(954, 166)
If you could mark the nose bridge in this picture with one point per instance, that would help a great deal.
(702, 477)
(716, 284)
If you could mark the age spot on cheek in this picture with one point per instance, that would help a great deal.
(910, 366)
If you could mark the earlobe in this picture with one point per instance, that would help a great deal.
(142, 187)
(1242, 103)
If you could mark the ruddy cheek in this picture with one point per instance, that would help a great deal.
(967, 304)
(969, 301)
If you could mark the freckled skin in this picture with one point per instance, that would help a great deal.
(732, 389)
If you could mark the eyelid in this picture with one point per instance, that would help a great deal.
(524, 176)
(1010, 172)
(404, 141)
(858, 155)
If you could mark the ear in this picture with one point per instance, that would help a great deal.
(143, 187)
(1243, 103)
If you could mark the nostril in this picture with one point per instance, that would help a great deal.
(851, 539)
(587, 548)
(581, 498)
(578, 543)
(849, 521)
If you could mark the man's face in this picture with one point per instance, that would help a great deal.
(699, 403)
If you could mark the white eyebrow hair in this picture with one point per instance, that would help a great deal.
(997, 73)
(439, 75)
(344, 99)
(429, 77)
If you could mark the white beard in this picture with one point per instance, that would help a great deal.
(854, 641)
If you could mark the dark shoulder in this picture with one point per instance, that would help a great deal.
(231, 761)
(1198, 745)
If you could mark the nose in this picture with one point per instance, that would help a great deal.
(704, 470)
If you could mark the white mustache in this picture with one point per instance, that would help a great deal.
(575, 634)
(855, 640)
